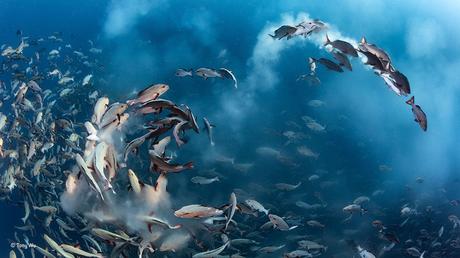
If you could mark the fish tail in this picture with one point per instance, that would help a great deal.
(363, 40)
(189, 165)
(411, 101)
(328, 41)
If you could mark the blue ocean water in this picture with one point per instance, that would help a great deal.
(370, 141)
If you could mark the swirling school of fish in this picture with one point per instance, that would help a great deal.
(374, 57)
(71, 176)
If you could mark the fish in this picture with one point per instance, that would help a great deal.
(65, 80)
(203, 180)
(255, 205)
(328, 64)
(207, 73)
(86, 79)
(184, 72)
(343, 46)
(27, 211)
(133, 146)
(159, 165)
(178, 128)
(307, 152)
(110, 236)
(150, 220)
(197, 211)
(151, 92)
(99, 109)
(376, 51)
(57, 247)
(298, 254)
(420, 116)
(279, 223)
(287, 187)
(100, 154)
(159, 148)
(212, 253)
(79, 252)
(231, 212)
(343, 60)
(283, 31)
(112, 114)
(83, 167)
(209, 128)
(134, 182)
(225, 73)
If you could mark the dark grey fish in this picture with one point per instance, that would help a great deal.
(342, 59)
(380, 53)
(283, 31)
(342, 46)
(329, 64)
(402, 81)
(372, 60)
(420, 116)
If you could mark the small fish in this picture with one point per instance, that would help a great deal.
(255, 205)
(211, 253)
(279, 223)
(287, 187)
(203, 180)
(86, 79)
(184, 72)
(207, 73)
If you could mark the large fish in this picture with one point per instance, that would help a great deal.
(283, 31)
(329, 64)
(419, 115)
(100, 163)
(378, 52)
(160, 165)
(99, 109)
(342, 59)
(196, 211)
(112, 114)
(152, 92)
(84, 167)
(342, 46)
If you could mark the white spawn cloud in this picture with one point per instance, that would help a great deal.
(424, 39)
(123, 15)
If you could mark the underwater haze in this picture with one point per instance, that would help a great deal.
(281, 150)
